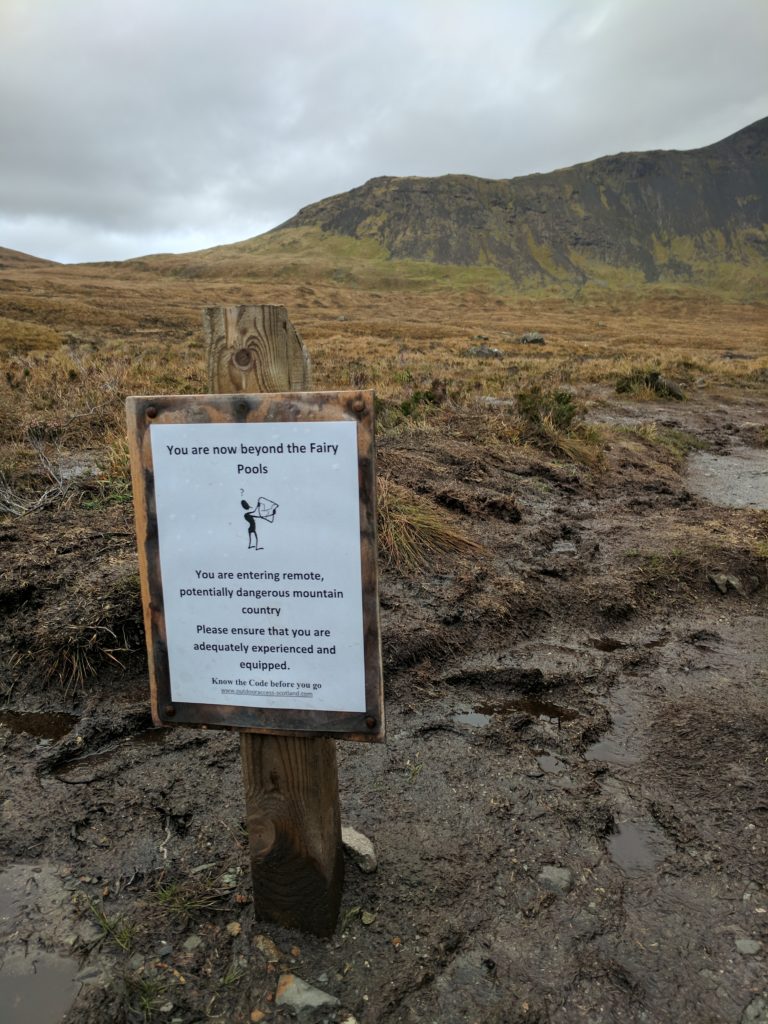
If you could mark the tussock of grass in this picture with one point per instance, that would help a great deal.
(98, 626)
(143, 996)
(556, 408)
(644, 384)
(113, 483)
(117, 929)
(78, 653)
(413, 531)
(671, 441)
(552, 420)
(188, 899)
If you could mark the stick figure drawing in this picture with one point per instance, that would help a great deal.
(265, 509)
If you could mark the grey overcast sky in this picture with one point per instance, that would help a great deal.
(136, 126)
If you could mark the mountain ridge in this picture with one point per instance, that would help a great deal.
(657, 214)
(676, 218)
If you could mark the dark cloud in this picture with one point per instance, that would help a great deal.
(131, 128)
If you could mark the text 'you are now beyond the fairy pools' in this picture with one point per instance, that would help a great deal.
(259, 536)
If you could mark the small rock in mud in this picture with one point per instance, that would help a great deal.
(192, 943)
(230, 878)
(468, 990)
(748, 947)
(564, 547)
(267, 948)
(724, 583)
(756, 1012)
(361, 849)
(556, 879)
(295, 994)
(484, 352)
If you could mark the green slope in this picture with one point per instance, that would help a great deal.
(696, 217)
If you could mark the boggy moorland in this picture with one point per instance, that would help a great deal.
(570, 811)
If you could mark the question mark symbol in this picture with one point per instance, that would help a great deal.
(242, 492)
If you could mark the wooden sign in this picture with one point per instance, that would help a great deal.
(245, 514)
(257, 542)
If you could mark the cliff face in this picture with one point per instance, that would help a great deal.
(660, 214)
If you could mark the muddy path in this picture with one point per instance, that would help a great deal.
(570, 811)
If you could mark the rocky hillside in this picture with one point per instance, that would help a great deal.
(661, 215)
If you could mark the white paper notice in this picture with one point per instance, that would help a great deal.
(259, 533)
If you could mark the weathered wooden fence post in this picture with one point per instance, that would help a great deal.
(291, 784)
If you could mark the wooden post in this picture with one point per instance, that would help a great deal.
(291, 784)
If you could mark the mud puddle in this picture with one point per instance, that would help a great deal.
(483, 714)
(618, 746)
(733, 481)
(42, 993)
(42, 725)
(37, 982)
(638, 847)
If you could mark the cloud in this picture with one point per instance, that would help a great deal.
(167, 126)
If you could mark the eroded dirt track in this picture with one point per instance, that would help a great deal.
(570, 812)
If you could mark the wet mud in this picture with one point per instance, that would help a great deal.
(739, 480)
(570, 813)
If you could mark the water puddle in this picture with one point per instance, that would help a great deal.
(41, 992)
(616, 746)
(481, 715)
(637, 847)
(36, 985)
(732, 481)
(545, 709)
(472, 719)
(43, 725)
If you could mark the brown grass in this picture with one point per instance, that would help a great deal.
(90, 336)
(414, 532)
(77, 340)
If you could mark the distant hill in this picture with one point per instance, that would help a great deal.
(694, 218)
(683, 216)
(12, 259)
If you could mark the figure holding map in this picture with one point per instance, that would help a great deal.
(264, 508)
